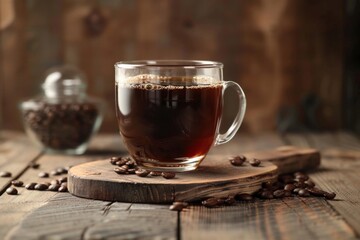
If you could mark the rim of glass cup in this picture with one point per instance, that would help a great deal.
(186, 64)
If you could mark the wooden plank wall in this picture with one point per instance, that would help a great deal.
(280, 51)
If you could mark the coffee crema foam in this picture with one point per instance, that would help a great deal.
(156, 82)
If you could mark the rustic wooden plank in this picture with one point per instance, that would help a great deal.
(290, 218)
(337, 173)
(16, 152)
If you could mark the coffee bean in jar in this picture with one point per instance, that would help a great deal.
(64, 118)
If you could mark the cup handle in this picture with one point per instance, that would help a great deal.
(230, 133)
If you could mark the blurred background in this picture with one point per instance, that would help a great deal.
(298, 61)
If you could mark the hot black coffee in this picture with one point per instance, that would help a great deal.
(168, 122)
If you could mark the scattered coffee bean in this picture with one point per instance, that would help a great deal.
(30, 186)
(121, 162)
(121, 170)
(301, 176)
(47, 183)
(267, 185)
(168, 175)
(300, 184)
(210, 202)
(61, 170)
(11, 191)
(330, 196)
(54, 187)
(230, 200)
(54, 173)
(244, 197)
(34, 165)
(178, 206)
(155, 173)
(316, 192)
(289, 187)
(17, 183)
(113, 160)
(43, 175)
(142, 172)
(237, 160)
(62, 189)
(309, 183)
(279, 193)
(255, 162)
(131, 170)
(266, 195)
(296, 190)
(304, 193)
(287, 193)
(41, 187)
(62, 179)
(5, 174)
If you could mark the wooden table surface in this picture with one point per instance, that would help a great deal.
(52, 215)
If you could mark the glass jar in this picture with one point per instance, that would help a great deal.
(63, 118)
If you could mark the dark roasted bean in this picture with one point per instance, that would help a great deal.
(5, 174)
(296, 190)
(230, 200)
(255, 162)
(131, 170)
(244, 197)
(34, 165)
(330, 196)
(54, 173)
(304, 193)
(237, 160)
(211, 202)
(155, 173)
(41, 187)
(63, 179)
(11, 191)
(178, 206)
(301, 176)
(17, 183)
(121, 162)
(54, 187)
(287, 193)
(289, 187)
(43, 175)
(168, 175)
(47, 183)
(142, 172)
(62, 189)
(54, 182)
(121, 170)
(30, 186)
(316, 192)
(267, 185)
(61, 170)
(279, 193)
(267, 194)
(300, 184)
(113, 160)
(309, 183)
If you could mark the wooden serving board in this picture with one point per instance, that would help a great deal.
(215, 177)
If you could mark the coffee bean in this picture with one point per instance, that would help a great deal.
(113, 160)
(34, 165)
(299, 184)
(54, 182)
(142, 172)
(130, 163)
(178, 206)
(11, 191)
(287, 193)
(255, 162)
(132, 170)
(211, 202)
(61, 170)
(230, 200)
(244, 197)
(54, 187)
(316, 192)
(237, 160)
(47, 183)
(43, 175)
(330, 196)
(5, 174)
(30, 186)
(63, 179)
(304, 193)
(121, 170)
(301, 176)
(289, 187)
(17, 183)
(267, 185)
(296, 190)
(309, 183)
(168, 175)
(41, 187)
(54, 173)
(63, 184)
(62, 189)
(155, 173)
(121, 162)
(279, 193)
(266, 194)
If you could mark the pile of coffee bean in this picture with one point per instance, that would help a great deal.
(57, 185)
(61, 126)
(290, 185)
(127, 165)
(239, 160)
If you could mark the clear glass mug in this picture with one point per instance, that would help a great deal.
(169, 111)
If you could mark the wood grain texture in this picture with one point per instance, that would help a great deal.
(215, 177)
(279, 51)
(337, 173)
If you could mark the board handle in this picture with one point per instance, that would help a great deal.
(230, 133)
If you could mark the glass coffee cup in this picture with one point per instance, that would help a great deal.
(169, 111)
